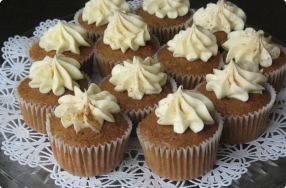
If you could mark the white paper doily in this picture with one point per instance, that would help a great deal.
(30, 148)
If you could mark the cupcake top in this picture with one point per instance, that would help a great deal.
(100, 11)
(251, 46)
(166, 8)
(194, 43)
(223, 16)
(64, 37)
(87, 109)
(56, 74)
(183, 109)
(235, 82)
(138, 77)
(126, 30)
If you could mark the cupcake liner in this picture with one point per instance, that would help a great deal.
(245, 128)
(164, 34)
(182, 163)
(105, 66)
(91, 35)
(189, 81)
(276, 78)
(86, 64)
(88, 161)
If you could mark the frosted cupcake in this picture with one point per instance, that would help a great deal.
(180, 140)
(166, 18)
(252, 50)
(64, 38)
(96, 14)
(126, 36)
(190, 55)
(244, 100)
(220, 19)
(48, 80)
(138, 86)
(87, 133)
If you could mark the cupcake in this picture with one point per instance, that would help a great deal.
(165, 18)
(244, 100)
(252, 50)
(190, 55)
(87, 133)
(138, 86)
(220, 19)
(48, 80)
(96, 14)
(64, 38)
(126, 36)
(180, 140)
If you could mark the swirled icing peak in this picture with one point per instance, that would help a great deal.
(183, 109)
(251, 46)
(56, 74)
(223, 16)
(138, 77)
(87, 109)
(166, 8)
(235, 82)
(194, 43)
(126, 30)
(64, 37)
(100, 11)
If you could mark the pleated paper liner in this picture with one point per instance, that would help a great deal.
(86, 63)
(91, 35)
(164, 34)
(189, 81)
(89, 161)
(182, 163)
(105, 66)
(276, 78)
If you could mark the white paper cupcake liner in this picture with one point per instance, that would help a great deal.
(105, 66)
(245, 128)
(276, 78)
(89, 161)
(92, 36)
(182, 163)
(164, 34)
(188, 81)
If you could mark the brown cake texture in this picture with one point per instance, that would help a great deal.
(88, 153)
(107, 58)
(221, 37)
(178, 156)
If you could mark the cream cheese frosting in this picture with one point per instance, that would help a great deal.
(87, 109)
(100, 11)
(251, 46)
(64, 37)
(185, 109)
(235, 82)
(55, 74)
(223, 16)
(166, 8)
(138, 77)
(194, 43)
(126, 31)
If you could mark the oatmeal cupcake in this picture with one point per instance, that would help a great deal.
(64, 38)
(180, 140)
(126, 36)
(138, 86)
(252, 50)
(165, 18)
(190, 55)
(96, 14)
(48, 80)
(87, 133)
(220, 19)
(244, 100)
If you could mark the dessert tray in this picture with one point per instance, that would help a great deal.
(27, 147)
